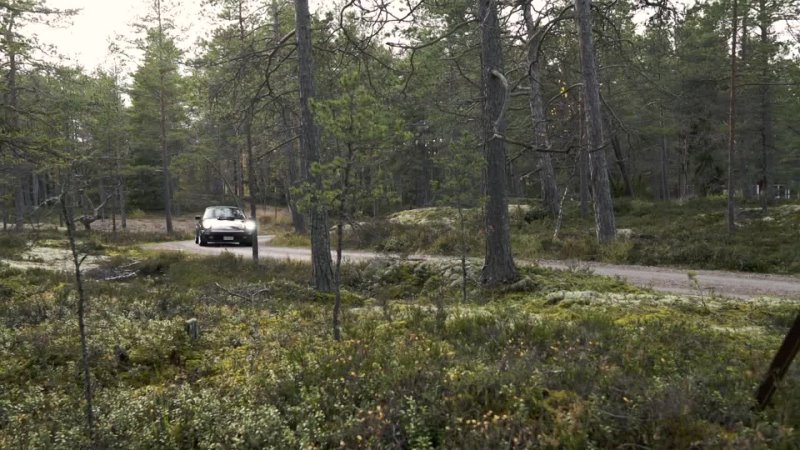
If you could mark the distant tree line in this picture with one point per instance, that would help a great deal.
(592, 100)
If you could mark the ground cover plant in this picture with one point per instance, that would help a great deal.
(687, 234)
(559, 360)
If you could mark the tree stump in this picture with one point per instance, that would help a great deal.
(192, 329)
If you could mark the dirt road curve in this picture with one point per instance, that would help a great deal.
(732, 284)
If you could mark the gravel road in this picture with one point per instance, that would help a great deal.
(731, 284)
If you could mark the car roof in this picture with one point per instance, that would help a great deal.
(223, 206)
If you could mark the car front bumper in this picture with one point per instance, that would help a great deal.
(228, 237)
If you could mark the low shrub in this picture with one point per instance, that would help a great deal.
(686, 234)
(12, 244)
(576, 361)
(291, 239)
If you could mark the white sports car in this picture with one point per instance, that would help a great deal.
(224, 225)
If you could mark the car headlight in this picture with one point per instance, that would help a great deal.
(250, 226)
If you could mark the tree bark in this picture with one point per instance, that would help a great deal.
(731, 206)
(19, 201)
(547, 175)
(13, 119)
(310, 143)
(296, 171)
(162, 123)
(767, 138)
(123, 210)
(684, 174)
(664, 163)
(35, 184)
(601, 188)
(337, 306)
(251, 180)
(499, 265)
(623, 167)
(583, 162)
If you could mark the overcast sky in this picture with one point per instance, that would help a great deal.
(85, 37)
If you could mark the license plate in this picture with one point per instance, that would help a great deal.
(227, 238)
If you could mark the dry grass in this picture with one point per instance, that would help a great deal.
(268, 216)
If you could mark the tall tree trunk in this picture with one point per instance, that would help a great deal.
(337, 306)
(296, 168)
(310, 143)
(101, 189)
(664, 163)
(422, 195)
(744, 172)
(684, 175)
(162, 122)
(123, 210)
(623, 167)
(296, 174)
(601, 188)
(766, 103)
(36, 199)
(547, 175)
(499, 265)
(583, 162)
(13, 119)
(239, 179)
(165, 166)
(19, 201)
(114, 198)
(251, 180)
(731, 207)
(663, 181)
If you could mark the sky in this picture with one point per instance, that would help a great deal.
(85, 37)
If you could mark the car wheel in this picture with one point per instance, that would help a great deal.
(196, 237)
(203, 241)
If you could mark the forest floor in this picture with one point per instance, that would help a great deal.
(286, 246)
(563, 359)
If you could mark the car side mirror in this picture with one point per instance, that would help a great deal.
(197, 217)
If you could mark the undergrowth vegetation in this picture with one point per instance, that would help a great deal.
(13, 244)
(560, 360)
(691, 234)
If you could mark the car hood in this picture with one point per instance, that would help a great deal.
(223, 225)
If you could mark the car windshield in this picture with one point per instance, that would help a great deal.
(223, 213)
